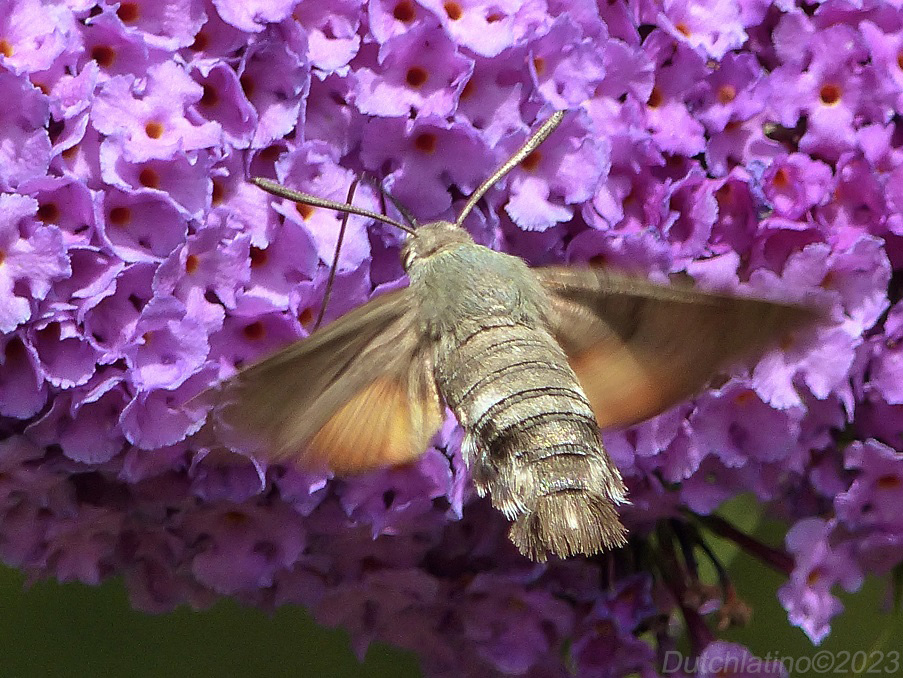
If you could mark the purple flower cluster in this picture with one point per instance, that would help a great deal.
(753, 146)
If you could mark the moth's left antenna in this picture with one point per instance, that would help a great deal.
(345, 207)
(307, 199)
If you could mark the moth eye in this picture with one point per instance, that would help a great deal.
(407, 254)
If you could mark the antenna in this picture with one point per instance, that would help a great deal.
(307, 199)
(538, 137)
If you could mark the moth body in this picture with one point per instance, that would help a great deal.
(530, 360)
(532, 442)
(460, 284)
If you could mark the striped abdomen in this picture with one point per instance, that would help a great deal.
(532, 441)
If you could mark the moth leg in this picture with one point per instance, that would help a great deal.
(485, 474)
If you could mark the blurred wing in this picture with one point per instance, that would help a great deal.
(638, 348)
(358, 394)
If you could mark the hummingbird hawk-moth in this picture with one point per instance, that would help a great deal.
(532, 361)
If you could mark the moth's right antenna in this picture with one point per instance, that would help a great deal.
(538, 137)
(307, 199)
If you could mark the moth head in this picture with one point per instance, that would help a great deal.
(429, 239)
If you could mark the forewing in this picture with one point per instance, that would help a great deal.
(638, 348)
(357, 395)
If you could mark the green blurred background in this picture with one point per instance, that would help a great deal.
(53, 630)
